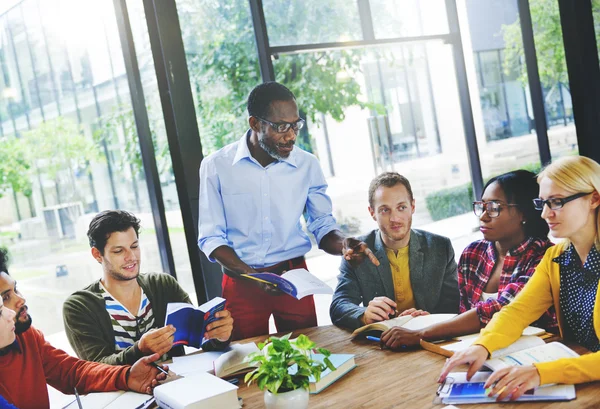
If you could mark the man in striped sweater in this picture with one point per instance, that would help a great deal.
(119, 318)
(28, 361)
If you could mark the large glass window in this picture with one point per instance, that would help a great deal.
(163, 158)
(505, 104)
(62, 80)
(408, 18)
(311, 21)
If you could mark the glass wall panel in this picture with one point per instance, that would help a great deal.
(405, 118)
(311, 21)
(223, 66)
(504, 115)
(408, 18)
(56, 56)
(161, 147)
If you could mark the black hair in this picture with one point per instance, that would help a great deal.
(107, 222)
(261, 97)
(4, 259)
(520, 187)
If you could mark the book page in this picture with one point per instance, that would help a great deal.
(98, 400)
(384, 325)
(306, 283)
(425, 321)
(189, 364)
(207, 306)
(521, 343)
(173, 307)
(543, 353)
(233, 360)
(128, 400)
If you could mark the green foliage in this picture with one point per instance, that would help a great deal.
(121, 120)
(276, 356)
(450, 202)
(223, 64)
(59, 145)
(14, 167)
(549, 46)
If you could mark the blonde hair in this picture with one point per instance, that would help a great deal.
(576, 174)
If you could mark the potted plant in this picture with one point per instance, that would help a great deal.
(284, 368)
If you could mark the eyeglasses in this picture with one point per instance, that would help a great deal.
(557, 203)
(492, 208)
(283, 127)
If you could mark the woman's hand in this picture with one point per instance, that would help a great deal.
(513, 382)
(474, 356)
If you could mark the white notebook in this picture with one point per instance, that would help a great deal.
(197, 391)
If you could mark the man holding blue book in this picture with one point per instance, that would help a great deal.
(119, 318)
(252, 195)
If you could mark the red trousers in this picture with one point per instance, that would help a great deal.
(251, 307)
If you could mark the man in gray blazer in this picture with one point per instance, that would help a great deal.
(426, 281)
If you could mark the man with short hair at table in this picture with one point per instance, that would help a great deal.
(29, 362)
(120, 318)
(252, 195)
(417, 270)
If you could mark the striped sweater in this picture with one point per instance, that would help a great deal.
(90, 329)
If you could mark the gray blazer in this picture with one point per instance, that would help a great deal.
(432, 276)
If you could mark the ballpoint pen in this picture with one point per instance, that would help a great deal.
(257, 279)
(77, 398)
(160, 368)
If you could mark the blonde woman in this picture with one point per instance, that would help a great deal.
(567, 277)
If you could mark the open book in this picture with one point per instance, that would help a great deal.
(527, 356)
(190, 322)
(110, 400)
(220, 363)
(456, 389)
(532, 336)
(298, 283)
(232, 362)
(407, 321)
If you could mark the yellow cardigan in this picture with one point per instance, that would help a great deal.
(539, 293)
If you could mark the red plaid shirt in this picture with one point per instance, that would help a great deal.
(475, 268)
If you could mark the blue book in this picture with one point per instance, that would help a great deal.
(343, 364)
(298, 283)
(190, 322)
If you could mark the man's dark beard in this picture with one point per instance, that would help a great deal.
(21, 327)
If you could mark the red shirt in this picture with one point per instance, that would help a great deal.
(475, 268)
(25, 369)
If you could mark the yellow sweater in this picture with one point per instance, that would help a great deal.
(541, 291)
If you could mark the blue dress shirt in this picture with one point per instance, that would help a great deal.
(256, 210)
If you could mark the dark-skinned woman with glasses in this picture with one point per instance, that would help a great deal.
(492, 271)
(566, 278)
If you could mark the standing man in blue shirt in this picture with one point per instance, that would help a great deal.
(252, 195)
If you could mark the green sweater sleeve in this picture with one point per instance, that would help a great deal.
(89, 332)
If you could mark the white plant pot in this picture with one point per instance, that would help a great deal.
(296, 399)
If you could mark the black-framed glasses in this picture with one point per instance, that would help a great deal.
(283, 127)
(556, 203)
(492, 208)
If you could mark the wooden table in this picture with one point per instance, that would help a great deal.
(386, 379)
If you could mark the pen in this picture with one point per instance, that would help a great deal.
(375, 339)
(257, 279)
(77, 398)
(157, 366)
